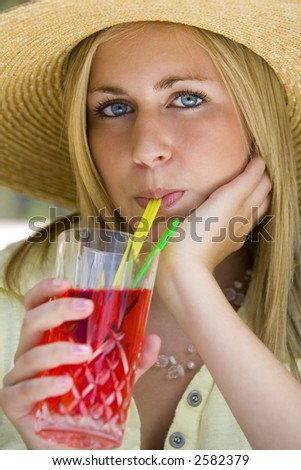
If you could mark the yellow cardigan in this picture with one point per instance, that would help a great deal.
(209, 425)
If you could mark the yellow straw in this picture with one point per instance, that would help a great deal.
(102, 280)
(148, 217)
(118, 275)
(142, 231)
(159, 246)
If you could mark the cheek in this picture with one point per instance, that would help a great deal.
(102, 155)
(218, 137)
(109, 155)
(215, 152)
(104, 150)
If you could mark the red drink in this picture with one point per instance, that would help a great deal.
(93, 413)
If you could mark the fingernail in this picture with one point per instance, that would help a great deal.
(81, 349)
(62, 381)
(81, 304)
(59, 283)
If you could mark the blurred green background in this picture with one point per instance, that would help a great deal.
(14, 205)
(10, 3)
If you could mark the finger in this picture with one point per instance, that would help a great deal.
(45, 290)
(254, 171)
(260, 193)
(241, 227)
(50, 315)
(243, 185)
(149, 353)
(252, 209)
(259, 201)
(49, 356)
(261, 211)
(20, 399)
(257, 204)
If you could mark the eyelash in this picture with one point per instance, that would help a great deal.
(200, 95)
(98, 110)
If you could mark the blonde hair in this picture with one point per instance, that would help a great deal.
(274, 303)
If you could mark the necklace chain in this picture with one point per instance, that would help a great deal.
(174, 369)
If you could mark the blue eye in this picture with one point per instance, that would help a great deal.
(189, 100)
(115, 109)
(112, 109)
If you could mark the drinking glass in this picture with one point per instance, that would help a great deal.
(93, 413)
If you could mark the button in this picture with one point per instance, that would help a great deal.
(194, 398)
(177, 440)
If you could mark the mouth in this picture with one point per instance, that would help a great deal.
(169, 197)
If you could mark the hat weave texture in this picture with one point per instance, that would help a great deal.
(36, 38)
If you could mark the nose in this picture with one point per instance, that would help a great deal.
(151, 143)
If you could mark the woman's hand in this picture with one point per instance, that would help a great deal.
(23, 389)
(221, 224)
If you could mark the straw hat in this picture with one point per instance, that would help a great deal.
(36, 39)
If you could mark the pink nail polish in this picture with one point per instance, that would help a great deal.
(59, 283)
(62, 381)
(81, 304)
(81, 349)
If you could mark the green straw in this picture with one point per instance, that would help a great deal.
(135, 246)
(158, 247)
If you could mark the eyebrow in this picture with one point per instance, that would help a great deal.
(165, 83)
(170, 81)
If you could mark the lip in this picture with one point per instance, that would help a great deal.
(169, 197)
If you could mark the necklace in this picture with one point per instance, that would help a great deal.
(175, 369)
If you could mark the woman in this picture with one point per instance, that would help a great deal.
(168, 110)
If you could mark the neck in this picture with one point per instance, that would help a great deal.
(233, 268)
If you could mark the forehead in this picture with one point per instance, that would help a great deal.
(148, 29)
(153, 46)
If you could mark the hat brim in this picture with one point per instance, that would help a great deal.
(36, 40)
